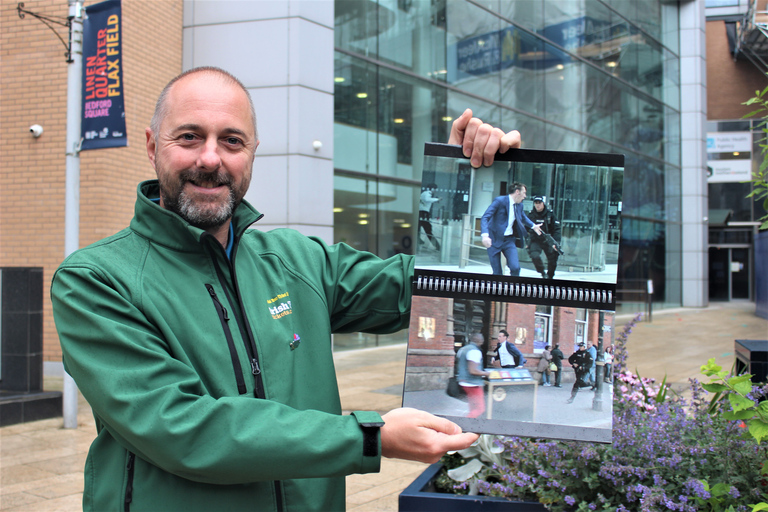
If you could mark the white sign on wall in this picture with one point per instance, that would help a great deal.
(729, 171)
(728, 142)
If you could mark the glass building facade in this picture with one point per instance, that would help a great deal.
(582, 75)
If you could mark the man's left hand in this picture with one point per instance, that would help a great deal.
(411, 434)
(480, 141)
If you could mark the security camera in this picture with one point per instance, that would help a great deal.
(36, 130)
(317, 145)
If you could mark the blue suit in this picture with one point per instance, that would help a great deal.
(494, 222)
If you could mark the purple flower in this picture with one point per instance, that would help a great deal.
(569, 500)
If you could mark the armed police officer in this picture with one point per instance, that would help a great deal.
(548, 241)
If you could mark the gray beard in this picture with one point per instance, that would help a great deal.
(203, 216)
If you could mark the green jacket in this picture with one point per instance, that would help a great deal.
(152, 331)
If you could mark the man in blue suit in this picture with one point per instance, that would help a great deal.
(503, 228)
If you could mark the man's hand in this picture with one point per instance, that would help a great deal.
(480, 141)
(537, 229)
(487, 242)
(411, 434)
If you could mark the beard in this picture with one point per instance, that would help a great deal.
(199, 213)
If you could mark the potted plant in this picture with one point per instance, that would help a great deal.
(669, 452)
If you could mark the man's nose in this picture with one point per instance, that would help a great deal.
(209, 158)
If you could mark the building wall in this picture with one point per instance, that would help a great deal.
(33, 89)
(729, 83)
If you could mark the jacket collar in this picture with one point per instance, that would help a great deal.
(164, 227)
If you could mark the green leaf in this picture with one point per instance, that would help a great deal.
(743, 388)
(741, 415)
(740, 403)
(758, 429)
(720, 489)
(714, 387)
(759, 506)
(710, 368)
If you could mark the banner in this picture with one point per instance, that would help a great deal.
(103, 114)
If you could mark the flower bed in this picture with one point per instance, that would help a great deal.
(668, 453)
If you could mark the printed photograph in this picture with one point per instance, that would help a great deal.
(544, 214)
(514, 369)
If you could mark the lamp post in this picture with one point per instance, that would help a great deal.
(72, 188)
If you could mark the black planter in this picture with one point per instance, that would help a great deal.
(420, 496)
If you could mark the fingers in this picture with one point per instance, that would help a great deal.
(459, 126)
(480, 141)
(417, 435)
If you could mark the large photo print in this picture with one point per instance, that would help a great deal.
(544, 214)
(514, 292)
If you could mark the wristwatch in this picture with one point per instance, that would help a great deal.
(370, 423)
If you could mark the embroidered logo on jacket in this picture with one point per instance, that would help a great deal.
(282, 309)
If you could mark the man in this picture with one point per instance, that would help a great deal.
(471, 374)
(592, 350)
(557, 358)
(581, 362)
(508, 355)
(204, 347)
(549, 225)
(503, 227)
(425, 213)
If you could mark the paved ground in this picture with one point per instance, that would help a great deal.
(41, 464)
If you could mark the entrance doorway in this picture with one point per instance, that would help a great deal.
(730, 273)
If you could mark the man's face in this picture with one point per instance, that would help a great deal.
(519, 195)
(204, 149)
(538, 205)
(582, 348)
(502, 337)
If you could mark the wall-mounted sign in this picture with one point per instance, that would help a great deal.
(728, 142)
(729, 171)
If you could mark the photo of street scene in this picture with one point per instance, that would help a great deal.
(518, 369)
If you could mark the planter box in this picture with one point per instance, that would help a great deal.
(420, 496)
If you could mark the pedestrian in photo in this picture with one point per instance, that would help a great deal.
(472, 375)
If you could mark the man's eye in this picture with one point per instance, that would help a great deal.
(234, 141)
(188, 136)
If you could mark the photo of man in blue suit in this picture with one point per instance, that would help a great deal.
(503, 227)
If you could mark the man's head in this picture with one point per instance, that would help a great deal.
(538, 203)
(201, 143)
(477, 339)
(503, 335)
(582, 346)
(517, 191)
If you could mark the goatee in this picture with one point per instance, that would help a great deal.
(203, 215)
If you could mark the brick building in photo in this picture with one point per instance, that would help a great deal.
(441, 326)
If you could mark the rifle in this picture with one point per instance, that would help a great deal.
(546, 239)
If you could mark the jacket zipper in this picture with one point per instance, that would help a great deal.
(248, 341)
(130, 467)
(224, 319)
(245, 328)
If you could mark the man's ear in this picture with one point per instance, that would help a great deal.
(151, 146)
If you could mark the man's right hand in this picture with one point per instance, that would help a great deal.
(487, 242)
(411, 434)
